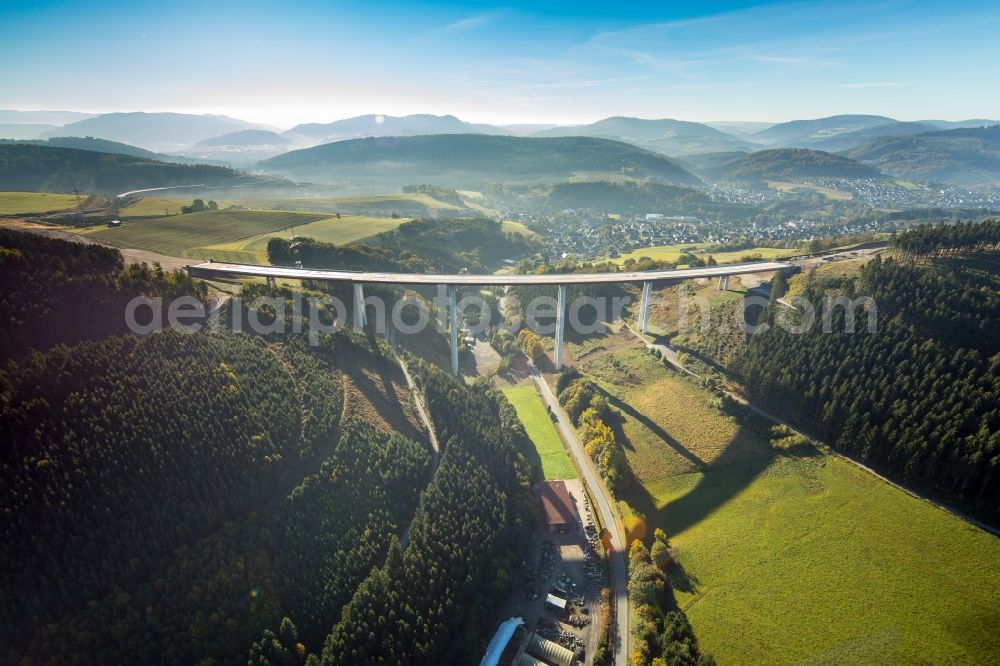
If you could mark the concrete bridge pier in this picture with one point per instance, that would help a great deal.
(453, 326)
(647, 294)
(723, 282)
(271, 283)
(360, 319)
(560, 325)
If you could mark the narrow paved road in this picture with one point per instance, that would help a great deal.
(609, 517)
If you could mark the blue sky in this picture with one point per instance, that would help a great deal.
(288, 62)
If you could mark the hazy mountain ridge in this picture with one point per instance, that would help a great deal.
(463, 159)
(57, 118)
(110, 147)
(153, 131)
(380, 125)
(706, 165)
(799, 133)
(31, 167)
(847, 140)
(247, 137)
(664, 135)
(24, 130)
(968, 156)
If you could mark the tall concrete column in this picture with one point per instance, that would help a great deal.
(647, 297)
(359, 307)
(560, 325)
(723, 282)
(270, 282)
(453, 324)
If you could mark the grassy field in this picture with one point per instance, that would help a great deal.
(511, 226)
(411, 205)
(668, 425)
(813, 560)
(556, 463)
(156, 207)
(335, 230)
(673, 253)
(828, 192)
(796, 558)
(177, 234)
(15, 203)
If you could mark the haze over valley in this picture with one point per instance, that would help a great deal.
(541, 334)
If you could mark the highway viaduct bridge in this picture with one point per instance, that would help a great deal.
(358, 279)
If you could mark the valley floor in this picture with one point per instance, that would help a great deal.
(795, 557)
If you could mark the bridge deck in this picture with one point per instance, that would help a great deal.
(217, 269)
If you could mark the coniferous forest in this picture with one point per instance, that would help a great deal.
(919, 398)
(211, 498)
(54, 291)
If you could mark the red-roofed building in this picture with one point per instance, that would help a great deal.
(558, 511)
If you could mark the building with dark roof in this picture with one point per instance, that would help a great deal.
(558, 511)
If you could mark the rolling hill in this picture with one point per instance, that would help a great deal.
(670, 137)
(961, 124)
(24, 130)
(791, 163)
(245, 138)
(461, 160)
(153, 131)
(968, 157)
(801, 133)
(705, 165)
(379, 125)
(631, 197)
(854, 138)
(56, 118)
(112, 147)
(740, 128)
(31, 167)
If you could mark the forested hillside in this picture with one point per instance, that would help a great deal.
(54, 291)
(214, 497)
(160, 469)
(48, 169)
(462, 160)
(104, 146)
(917, 399)
(792, 163)
(967, 156)
(434, 602)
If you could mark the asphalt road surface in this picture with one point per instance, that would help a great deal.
(609, 518)
(219, 269)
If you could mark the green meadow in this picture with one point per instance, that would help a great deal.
(345, 229)
(795, 557)
(178, 233)
(674, 252)
(18, 203)
(556, 463)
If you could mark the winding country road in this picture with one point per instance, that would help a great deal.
(609, 518)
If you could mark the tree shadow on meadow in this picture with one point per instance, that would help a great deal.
(630, 411)
(719, 483)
